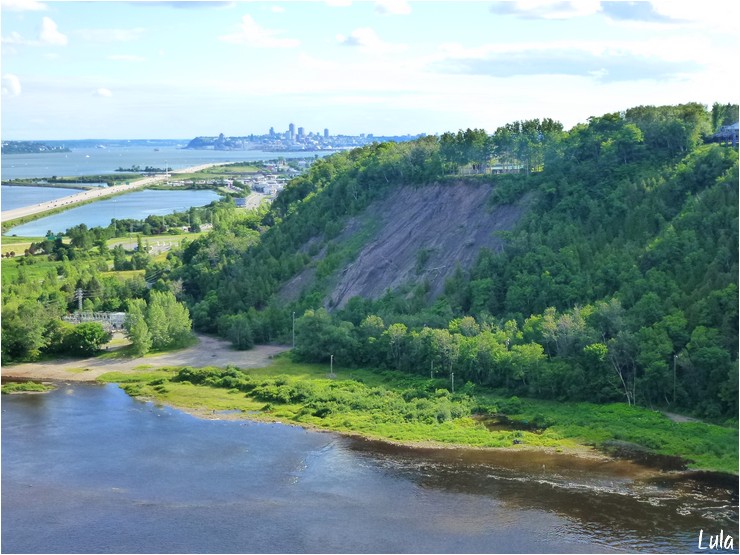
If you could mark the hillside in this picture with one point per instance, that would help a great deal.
(419, 235)
(603, 269)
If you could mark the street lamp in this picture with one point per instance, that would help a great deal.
(294, 330)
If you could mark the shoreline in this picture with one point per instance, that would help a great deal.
(585, 455)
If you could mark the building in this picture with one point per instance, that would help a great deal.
(727, 134)
(301, 133)
(326, 133)
(291, 131)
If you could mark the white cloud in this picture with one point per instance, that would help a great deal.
(50, 35)
(251, 34)
(23, 5)
(15, 38)
(368, 40)
(126, 58)
(392, 7)
(546, 9)
(11, 85)
(102, 92)
(338, 3)
(277, 9)
(109, 35)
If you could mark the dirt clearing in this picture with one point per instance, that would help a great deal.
(208, 351)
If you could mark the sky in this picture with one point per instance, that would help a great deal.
(162, 69)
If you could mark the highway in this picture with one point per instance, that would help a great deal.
(71, 200)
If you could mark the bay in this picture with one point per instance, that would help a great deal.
(136, 205)
(87, 469)
(96, 161)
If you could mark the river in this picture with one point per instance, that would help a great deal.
(12, 197)
(137, 205)
(85, 468)
(96, 161)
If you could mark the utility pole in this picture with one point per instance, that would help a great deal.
(331, 366)
(78, 296)
(453, 382)
(294, 329)
(675, 357)
(431, 372)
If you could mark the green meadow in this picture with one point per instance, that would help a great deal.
(408, 409)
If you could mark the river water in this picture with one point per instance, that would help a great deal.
(96, 161)
(87, 469)
(137, 205)
(12, 197)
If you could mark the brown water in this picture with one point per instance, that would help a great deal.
(88, 469)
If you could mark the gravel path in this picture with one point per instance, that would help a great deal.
(208, 351)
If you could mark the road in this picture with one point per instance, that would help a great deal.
(102, 192)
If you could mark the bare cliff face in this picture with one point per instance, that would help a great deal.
(422, 235)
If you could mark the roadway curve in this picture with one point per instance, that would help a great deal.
(91, 194)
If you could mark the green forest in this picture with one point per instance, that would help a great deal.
(618, 284)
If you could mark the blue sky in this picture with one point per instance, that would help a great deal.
(75, 70)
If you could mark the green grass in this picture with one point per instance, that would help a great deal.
(393, 406)
(706, 446)
(24, 387)
(35, 272)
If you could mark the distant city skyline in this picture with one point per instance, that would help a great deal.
(148, 70)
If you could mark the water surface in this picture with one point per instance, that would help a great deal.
(19, 196)
(96, 161)
(88, 469)
(137, 205)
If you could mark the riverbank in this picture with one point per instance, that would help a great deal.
(219, 383)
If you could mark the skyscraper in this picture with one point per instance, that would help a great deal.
(291, 131)
(301, 133)
(326, 133)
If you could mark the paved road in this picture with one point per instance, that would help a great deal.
(102, 192)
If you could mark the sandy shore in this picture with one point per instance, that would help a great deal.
(92, 194)
(208, 351)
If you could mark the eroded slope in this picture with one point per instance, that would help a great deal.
(422, 235)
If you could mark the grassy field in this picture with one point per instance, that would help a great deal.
(18, 245)
(409, 409)
(34, 272)
(216, 172)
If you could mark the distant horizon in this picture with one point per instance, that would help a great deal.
(74, 70)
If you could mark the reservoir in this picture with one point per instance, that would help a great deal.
(137, 205)
(87, 469)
